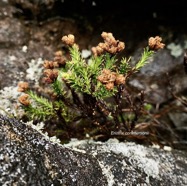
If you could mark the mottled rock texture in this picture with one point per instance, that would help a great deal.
(28, 157)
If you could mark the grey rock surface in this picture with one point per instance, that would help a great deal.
(155, 78)
(28, 157)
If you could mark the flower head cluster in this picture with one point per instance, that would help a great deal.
(109, 79)
(22, 86)
(69, 40)
(59, 60)
(24, 100)
(155, 43)
(50, 71)
(110, 45)
(50, 75)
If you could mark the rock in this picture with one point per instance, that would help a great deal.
(155, 78)
(12, 33)
(28, 157)
(13, 65)
(6, 9)
(33, 9)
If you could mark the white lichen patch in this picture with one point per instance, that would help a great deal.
(34, 72)
(9, 102)
(176, 50)
(108, 173)
(137, 156)
(74, 143)
(24, 49)
(39, 127)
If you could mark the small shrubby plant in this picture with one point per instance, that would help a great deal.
(88, 97)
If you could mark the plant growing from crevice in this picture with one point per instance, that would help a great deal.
(89, 97)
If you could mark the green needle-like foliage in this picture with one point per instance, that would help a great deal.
(144, 59)
(90, 94)
(41, 107)
(124, 66)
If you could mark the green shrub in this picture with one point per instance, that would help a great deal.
(89, 97)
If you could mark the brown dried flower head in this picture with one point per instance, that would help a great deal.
(107, 76)
(58, 53)
(22, 86)
(109, 86)
(110, 45)
(51, 75)
(59, 58)
(50, 64)
(24, 99)
(121, 46)
(97, 50)
(109, 38)
(69, 40)
(120, 79)
(155, 43)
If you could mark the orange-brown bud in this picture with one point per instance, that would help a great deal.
(69, 39)
(50, 64)
(155, 43)
(120, 79)
(24, 99)
(107, 76)
(22, 86)
(121, 46)
(109, 86)
(58, 53)
(51, 75)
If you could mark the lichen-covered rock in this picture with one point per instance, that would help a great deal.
(133, 164)
(28, 157)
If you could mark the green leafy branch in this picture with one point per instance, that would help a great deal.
(147, 54)
(41, 108)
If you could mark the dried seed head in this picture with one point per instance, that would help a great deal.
(94, 51)
(51, 75)
(104, 35)
(24, 99)
(121, 46)
(112, 77)
(22, 86)
(108, 38)
(97, 50)
(60, 60)
(50, 64)
(107, 76)
(68, 40)
(112, 50)
(106, 71)
(110, 45)
(47, 80)
(155, 43)
(58, 53)
(120, 79)
(109, 86)
(101, 78)
(102, 45)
